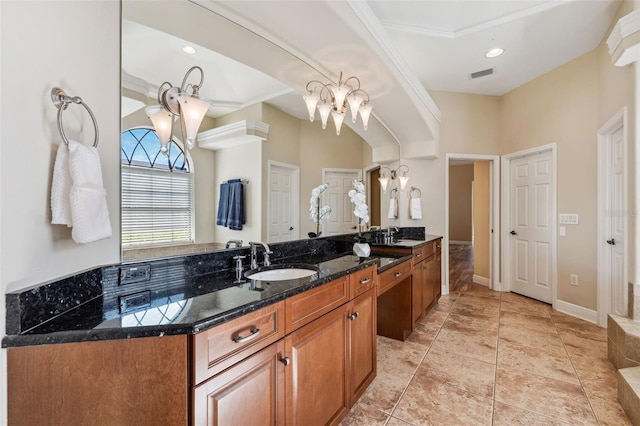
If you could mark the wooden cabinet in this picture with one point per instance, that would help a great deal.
(437, 272)
(394, 318)
(251, 392)
(317, 377)
(363, 344)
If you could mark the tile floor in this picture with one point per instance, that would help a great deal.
(487, 358)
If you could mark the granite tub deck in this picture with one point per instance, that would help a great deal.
(183, 295)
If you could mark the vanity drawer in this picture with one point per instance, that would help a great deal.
(303, 308)
(421, 253)
(363, 280)
(392, 276)
(220, 347)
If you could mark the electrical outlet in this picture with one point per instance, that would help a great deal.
(574, 279)
(134, 274)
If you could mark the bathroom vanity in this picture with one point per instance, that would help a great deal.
(295, 351)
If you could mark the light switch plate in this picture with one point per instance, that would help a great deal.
(563, 231)
(568, 218)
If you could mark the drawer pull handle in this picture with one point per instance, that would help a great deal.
(365, 281)
(397, 274)
(354, 315)
(286, 361)
(254, 333)
(419, 255)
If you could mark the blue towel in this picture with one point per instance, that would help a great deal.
(236, 218)
(223, 205)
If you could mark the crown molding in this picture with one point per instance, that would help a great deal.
(624, 41)
(234, 134)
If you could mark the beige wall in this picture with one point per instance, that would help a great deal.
(481, 219)
(460, 204)
(76, 46)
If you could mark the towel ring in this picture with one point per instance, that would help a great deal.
(62, 101)
(392, 195)
(414, 189)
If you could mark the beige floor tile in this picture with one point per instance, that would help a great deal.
(532, 338)
(466, 344)
(552, 364)
(488, 312)
(607, 409)
(468, 374)
(429, 401)
(471, 325)
(404, 356)
(527, 321)
(386, 389)
(542, 395)
(508, 415)
(397, 422)
(516, 303)
(364, 415)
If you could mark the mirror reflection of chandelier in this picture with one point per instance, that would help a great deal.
(178, 102)
(329, 98)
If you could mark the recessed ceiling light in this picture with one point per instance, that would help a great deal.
(188, 49)
(496, 51)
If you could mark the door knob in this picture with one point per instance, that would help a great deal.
(513, 233)
(285, 360)
(611, 242)
(291, 228)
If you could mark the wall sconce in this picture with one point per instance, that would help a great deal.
(393, 174)
(331, 99)
(178, 102)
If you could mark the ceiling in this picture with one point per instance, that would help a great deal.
(397, 49)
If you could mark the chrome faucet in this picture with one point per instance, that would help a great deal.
(254, 254)
(238, 243)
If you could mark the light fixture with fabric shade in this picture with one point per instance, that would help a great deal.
(329, 98)
(178, 102)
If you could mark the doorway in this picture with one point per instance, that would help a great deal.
(470, 249)
(529, 211)
(342, 219)
(612, 218)
(283, 202)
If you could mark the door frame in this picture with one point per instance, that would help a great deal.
(616, 122)
(494, 214)
(506, 215)
(295, 196)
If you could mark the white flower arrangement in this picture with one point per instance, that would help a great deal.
(358, 198)
(318, 214)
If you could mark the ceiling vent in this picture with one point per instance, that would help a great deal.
(482, 73)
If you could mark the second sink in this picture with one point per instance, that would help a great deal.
(281, 274)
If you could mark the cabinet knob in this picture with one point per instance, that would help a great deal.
(286, 361)
(354, 315)
(254, 333)
(397, 274)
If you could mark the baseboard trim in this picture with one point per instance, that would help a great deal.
(462, 243)
(478, 279)
(576, 311)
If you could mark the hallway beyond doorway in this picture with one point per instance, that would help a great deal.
(460, 267)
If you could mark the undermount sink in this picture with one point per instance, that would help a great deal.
(281, 274)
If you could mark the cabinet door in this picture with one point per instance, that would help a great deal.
(437, 276)
(317, 377)
(249, 393)
(417, 288)
(428, 289)
(363, 342)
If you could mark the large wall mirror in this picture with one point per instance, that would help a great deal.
(256, 130)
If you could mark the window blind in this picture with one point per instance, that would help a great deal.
(157, 207)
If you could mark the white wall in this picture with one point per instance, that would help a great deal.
(73, 45)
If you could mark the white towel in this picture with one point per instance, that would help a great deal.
(415, 211)
(393, 208)
(60, 188)
(80, 192)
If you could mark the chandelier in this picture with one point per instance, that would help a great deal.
(178, 102)
(328, 98)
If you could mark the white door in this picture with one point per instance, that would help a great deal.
(283, 201)
(531, 225)
(616, 225)
(342, 219)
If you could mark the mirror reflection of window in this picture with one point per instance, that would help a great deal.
(158, 315)
(157, 191)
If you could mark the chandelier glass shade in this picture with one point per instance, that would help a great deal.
(178, 102)
(334, 100)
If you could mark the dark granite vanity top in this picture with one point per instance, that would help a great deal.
(176, 299)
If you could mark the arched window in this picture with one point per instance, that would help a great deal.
(156, 191)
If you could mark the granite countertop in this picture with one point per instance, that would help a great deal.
(410, 243)
(203, 302)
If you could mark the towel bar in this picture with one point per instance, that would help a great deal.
(61, 101)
